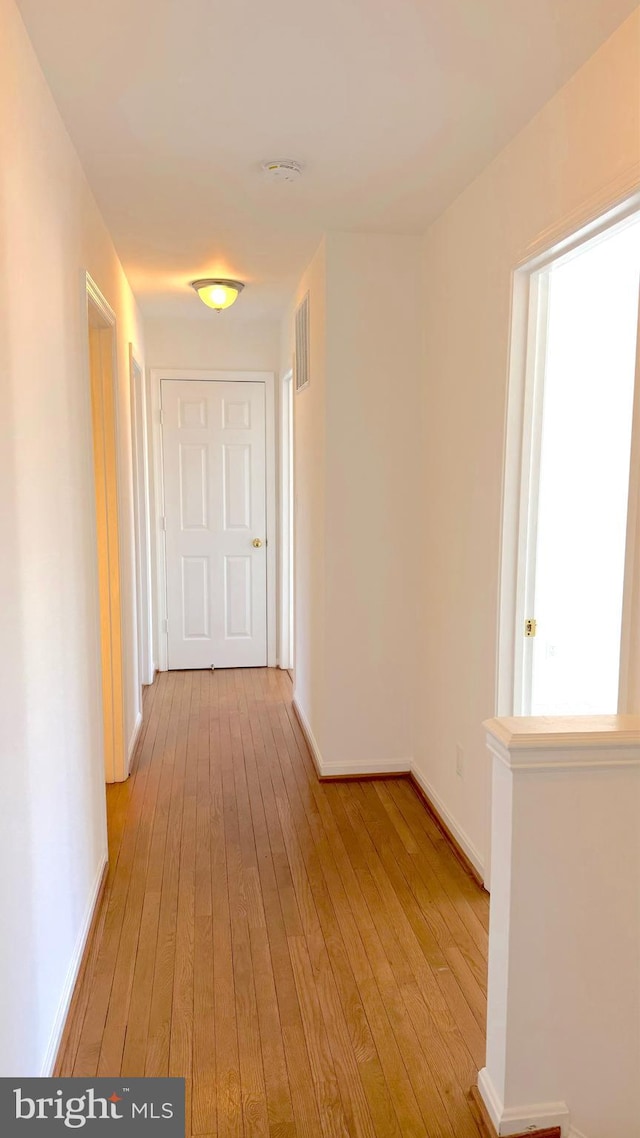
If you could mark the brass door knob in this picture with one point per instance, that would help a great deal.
(257, 542)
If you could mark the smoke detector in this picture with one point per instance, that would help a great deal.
(282, 170)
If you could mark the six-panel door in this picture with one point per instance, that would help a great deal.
(213, 438)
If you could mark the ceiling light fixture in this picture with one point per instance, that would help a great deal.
(217, 292)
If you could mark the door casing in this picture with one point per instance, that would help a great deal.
(160, 575)
(521, 462)
(142, 511)
(286, 522)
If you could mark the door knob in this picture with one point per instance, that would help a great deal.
(257, 542)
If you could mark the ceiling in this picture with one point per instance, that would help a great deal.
(393, 106)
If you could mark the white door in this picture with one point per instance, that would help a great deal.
(577, 540)
(213, 444)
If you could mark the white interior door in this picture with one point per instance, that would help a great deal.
(214, 455)
(577, 541)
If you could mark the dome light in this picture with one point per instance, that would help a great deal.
(217, 293)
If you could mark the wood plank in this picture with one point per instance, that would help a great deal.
(140, 913)
(181, 1038)
(118, 885)
(135, 1046)
(302, 1095)
(439, 1091)
(203, 1106)
(254, 1107)
(278, 1091)
(228, 1088)
(311, 957)
(158, 1040)
(379, 1060)
(380, 966)
(449, 1003)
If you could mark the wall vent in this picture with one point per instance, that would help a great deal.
(301, 363)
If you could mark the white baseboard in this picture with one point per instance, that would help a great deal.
(309, 736)
(363, 770)
(516, 1120)
(135, 735)
(55, 1038)
(465, 843)
(345, 770)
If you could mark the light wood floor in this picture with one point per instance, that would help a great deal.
(310, 956)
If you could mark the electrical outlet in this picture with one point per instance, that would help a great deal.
(459, 761)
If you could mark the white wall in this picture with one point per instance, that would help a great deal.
(220, 340)
(581, 151)
(355, 489)
(52, 830)
(373, 372)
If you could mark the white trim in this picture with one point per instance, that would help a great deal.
(534, 365)
(309, 736)
(268, 379)
(507, 677)
(285, 647)
(612, 734)
(158, 537)
(594, 218)
(55, 1039)
(345, 770)
(157, 374)
(629, 692)
(133, 742)
(142, 519)
(562, 757)
(515, 1120)
(490, 1097)
(556, 731)
(539, 760)
(362, 770)
(465, 843)
(616, 200)
(572, 743)
(95, 297)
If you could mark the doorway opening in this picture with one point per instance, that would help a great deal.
(102, 373)
(567, 643)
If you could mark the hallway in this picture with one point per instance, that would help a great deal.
(312, 956)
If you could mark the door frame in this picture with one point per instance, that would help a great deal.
(522, 460)
(286, 518)
(160, 591)
(141, 512)
(102, 380)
